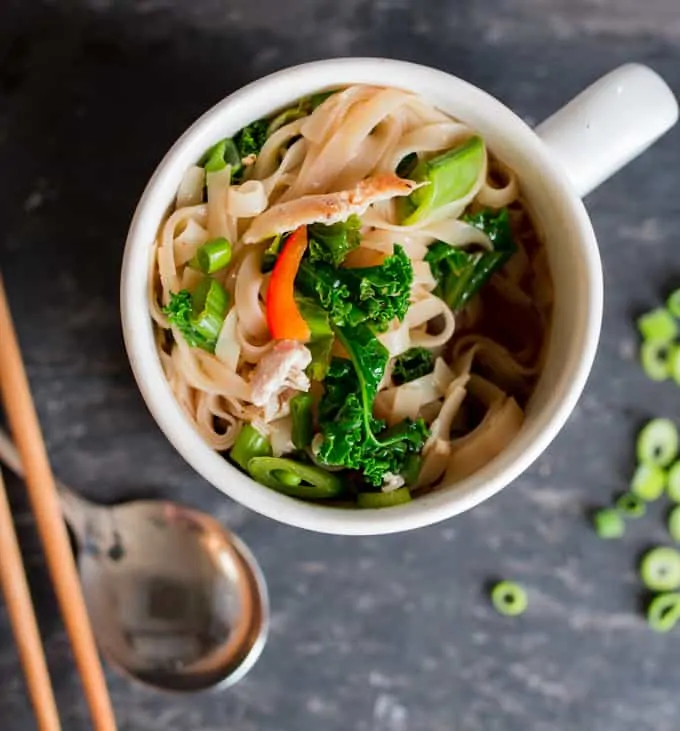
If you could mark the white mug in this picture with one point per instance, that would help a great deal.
(567, 156)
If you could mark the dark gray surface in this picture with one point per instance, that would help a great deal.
(375, 634)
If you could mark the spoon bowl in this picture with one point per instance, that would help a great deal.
(176, 601)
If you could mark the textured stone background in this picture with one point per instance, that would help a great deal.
(375, 634)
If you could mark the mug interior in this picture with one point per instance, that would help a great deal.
(560, 216)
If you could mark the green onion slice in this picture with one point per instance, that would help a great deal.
(654, 358)
(664, 611)
(660, 569)
(313, 484)
(657, 325)
(674, 523)
(631, 505)
(509, 598)
(212, 256)
(673, 363)
(220, 155)
(608, 523)
(673, 303)
(384, 499)
(673, 482)
(210, 302)
(249, 443)
(301, 414)
(657, 443)
(648, 482)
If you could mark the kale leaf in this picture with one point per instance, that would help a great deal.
(461, 274)
(331, 244)
(180, 311)
(412, 364)
(372, 295)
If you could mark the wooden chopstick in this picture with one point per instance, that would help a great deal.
(42, 493)
(22, 617)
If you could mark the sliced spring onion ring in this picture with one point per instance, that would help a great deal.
(249, 443)
(509, 598)
(673, 363)
(673, 482)
(631, 505)
(384, 499)
(212, 256)
(314, 483)
(657, 443)
(654, 359)
(673, 303)
(657, 325)
(660, 569)
(301, 413)
(608, 523)
(674, 523)
(210, 302)
(664, 611)
(648, 482)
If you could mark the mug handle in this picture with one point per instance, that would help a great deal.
(608, 124)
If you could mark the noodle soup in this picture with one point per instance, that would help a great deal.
(351, 300)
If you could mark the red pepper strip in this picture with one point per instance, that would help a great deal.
(283, 317)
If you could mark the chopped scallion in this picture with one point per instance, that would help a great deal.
(664, 611)
(384, 499)
(631, 505)
(673, 362)
(249, 443)
(509, 598)
(673, 482)
(660, 569)
(313, 483)
(657, 325)
(673, 303)
(674, 523)
(657, 443)
(648, 482)
(608, 523)
(654, 359)
(210, 303)
(212, 256)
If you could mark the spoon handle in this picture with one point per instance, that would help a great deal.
(76, 510)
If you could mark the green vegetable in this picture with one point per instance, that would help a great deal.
(460, 274)
(631, 505)
(352, 436)
(654, 357)
(657, 325)
(220, 155)
(412, 465)
(212, 256)
(305, 106)
(509, 598)
(673, 362)
(660, 569)
(373, 295)
(384, 499)
(449, 177)
(657, 443)
(412, 364)
(251, 139)
(199, 316)
(648, 482)
(664, 611)
(608, 523)
(331, 244)
(249, 444)
(271, 253)
(673, 484)
(314, 483)
(674, 523)
(301, 413)
(322, 337)
(673, 303)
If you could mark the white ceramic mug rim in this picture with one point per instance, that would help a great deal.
(145, 362)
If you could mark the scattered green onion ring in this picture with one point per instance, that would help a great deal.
(673, 363)
(674, 523)
(314, 483)
(664, 611)
(648, 482)
(631, 505)
(509, 598)
(608, 523)
(673, 303)
(249, 443)
(654, 359)
(209, 302)
(384, 499)
(657, 442)
(212, 256)
(657, 325)
(660, 569)
(673, 482)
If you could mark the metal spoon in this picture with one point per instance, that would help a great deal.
(177, 601)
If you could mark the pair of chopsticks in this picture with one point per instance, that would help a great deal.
(44, 500)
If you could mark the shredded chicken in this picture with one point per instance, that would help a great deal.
(278, 376)
(392, 482)
(327, 208)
